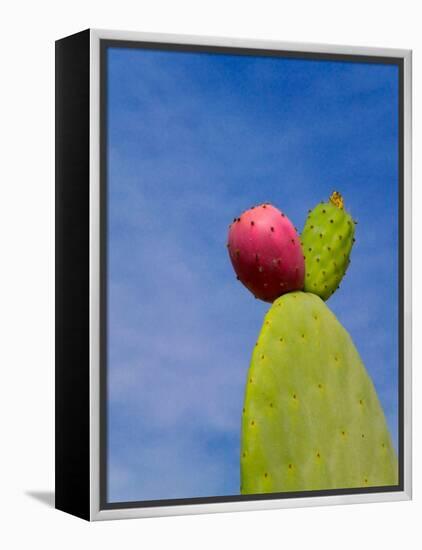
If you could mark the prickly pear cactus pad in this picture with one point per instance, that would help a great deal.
(327, 241)
(311, 417)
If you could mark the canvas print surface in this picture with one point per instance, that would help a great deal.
(252, 274)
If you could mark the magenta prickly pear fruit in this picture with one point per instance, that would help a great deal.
(266, 252)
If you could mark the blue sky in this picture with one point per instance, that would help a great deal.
(195, 139)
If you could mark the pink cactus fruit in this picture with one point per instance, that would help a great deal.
(266, 252)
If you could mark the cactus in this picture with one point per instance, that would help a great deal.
(311, 417)
(327, 241)
(265, 251)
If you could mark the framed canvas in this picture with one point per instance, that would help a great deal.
(233, 274)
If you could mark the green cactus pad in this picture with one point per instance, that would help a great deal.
(327, 241)
(311, 417)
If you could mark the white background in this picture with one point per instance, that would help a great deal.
(27, 272)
